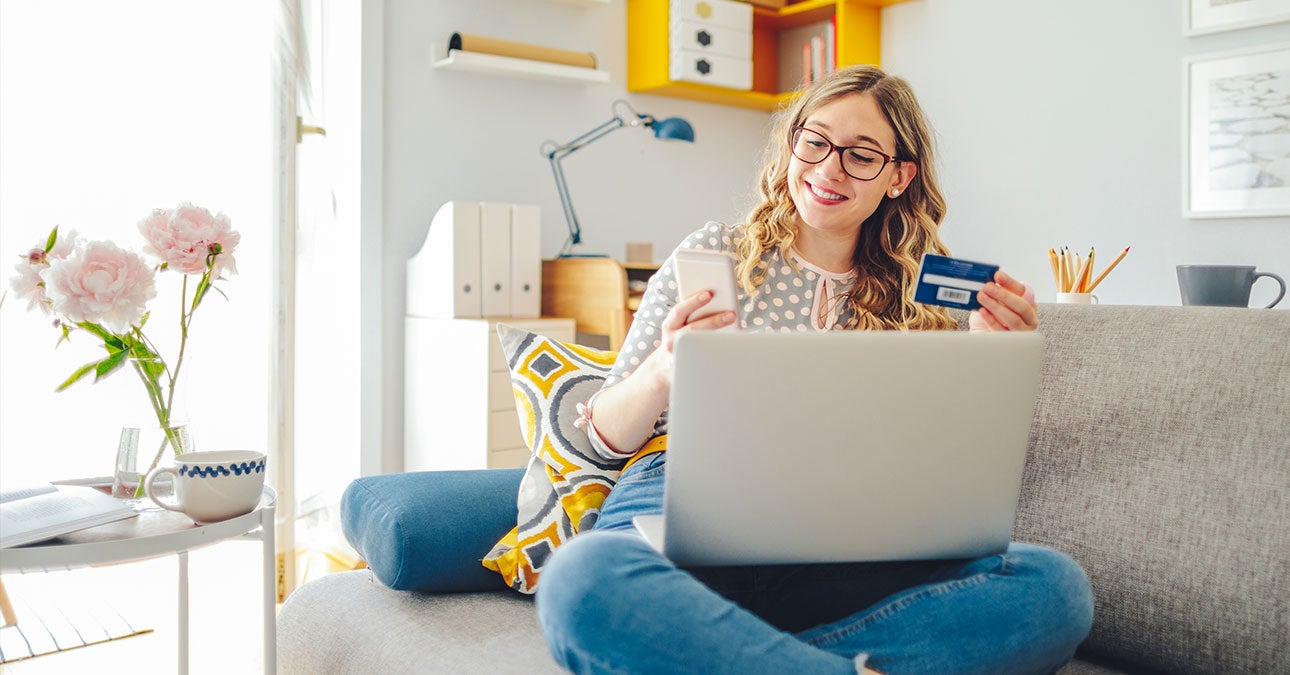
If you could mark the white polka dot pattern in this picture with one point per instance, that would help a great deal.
(784, 303)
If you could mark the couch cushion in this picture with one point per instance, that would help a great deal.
(349, 623)
(566, 480)
(428, 530)
(1160, 460)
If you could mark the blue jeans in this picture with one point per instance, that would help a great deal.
(609, 603)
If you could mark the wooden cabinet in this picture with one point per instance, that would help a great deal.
(458, 409)
(858, 36)
(599, 294)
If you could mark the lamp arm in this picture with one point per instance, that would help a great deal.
(558, 153)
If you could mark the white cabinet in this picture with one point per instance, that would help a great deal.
(458, 410)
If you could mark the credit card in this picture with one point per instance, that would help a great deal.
(951, 282)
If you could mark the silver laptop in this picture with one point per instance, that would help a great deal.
(844, 446)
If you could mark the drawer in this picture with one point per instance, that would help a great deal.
(504, 430)
(500, 394)
(688, 65)
(738, 15)
(709, 39)
(509, 458)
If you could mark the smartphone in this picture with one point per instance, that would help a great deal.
(700, 269)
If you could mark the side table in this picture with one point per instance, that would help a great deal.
(155, 533)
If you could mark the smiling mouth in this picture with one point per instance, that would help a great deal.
(825, 195)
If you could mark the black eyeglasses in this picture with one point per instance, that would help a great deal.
(859, 162)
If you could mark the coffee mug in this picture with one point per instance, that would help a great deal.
(214, 485)
(1222, 285)
(1077, 298)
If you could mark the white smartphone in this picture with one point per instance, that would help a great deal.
(698, 270)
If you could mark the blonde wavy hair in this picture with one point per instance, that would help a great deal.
(892, 240)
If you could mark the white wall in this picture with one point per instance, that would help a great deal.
(456, 136)
(1060, 123)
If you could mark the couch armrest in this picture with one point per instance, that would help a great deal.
(428, 530)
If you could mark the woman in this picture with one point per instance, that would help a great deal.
(849, 203)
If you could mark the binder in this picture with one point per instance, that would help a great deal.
(495, 259)
(526, 261)
(443, 277)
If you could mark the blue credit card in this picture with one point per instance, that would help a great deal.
(951, 282)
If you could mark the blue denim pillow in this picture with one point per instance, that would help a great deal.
(428, 530)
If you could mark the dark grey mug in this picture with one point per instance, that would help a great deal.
(1222, 285)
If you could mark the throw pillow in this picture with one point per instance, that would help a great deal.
(566, 481)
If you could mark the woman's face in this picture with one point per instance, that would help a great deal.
(826, 197)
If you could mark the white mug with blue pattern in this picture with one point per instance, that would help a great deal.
(214, 485)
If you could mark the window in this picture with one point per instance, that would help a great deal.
(108, 110)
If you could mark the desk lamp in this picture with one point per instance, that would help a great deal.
(624, 116)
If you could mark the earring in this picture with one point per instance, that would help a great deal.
(895, 193)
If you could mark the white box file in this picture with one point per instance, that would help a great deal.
(495, 259)
(443, 278)
(478, 260)
(526, 263)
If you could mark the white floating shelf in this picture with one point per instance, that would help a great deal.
(489, 64)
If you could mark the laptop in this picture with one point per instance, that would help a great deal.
(844, 446)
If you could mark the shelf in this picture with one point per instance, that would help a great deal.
(488, 64)
(859, 32)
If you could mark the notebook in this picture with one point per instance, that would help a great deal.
(844, 446)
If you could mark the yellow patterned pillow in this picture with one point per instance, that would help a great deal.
(566, 481)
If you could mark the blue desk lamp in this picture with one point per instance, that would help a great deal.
(624, 116)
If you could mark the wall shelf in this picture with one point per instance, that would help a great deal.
(859, 31)
(504, 66)
(581, 3)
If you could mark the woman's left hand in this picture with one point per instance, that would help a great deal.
(1006, 304)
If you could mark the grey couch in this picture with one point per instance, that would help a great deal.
(1159, 459)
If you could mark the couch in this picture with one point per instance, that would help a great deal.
(1159, 458)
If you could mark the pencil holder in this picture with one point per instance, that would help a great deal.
(1077, 298)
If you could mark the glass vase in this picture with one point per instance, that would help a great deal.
(142, 449)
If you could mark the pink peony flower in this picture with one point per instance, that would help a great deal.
(183, 238)
(27, 284)
(100, 283)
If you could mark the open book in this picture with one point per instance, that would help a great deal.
(44, 511)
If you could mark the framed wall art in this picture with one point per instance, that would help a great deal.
(1209, 16)
(1237, 132)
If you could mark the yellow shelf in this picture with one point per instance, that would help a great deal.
(858, 40)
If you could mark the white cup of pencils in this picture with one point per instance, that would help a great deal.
(1074, 276)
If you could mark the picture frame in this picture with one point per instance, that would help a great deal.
(1210, 16)
(1236, 146)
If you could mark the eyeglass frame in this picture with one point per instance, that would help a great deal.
(886, 159)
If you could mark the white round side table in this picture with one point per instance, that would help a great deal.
(155, 533)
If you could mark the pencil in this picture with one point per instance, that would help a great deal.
(1052, 262)
(1061, 272)
(1070, 270)
(1108, 269)
(1081, 277)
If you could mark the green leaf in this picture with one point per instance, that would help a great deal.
(53, 239)
(80, 373)
(144, 321)
(109, 340)
(109, 365)
(202, 286)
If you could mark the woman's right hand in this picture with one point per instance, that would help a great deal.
(626, 412)
(685, 316)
